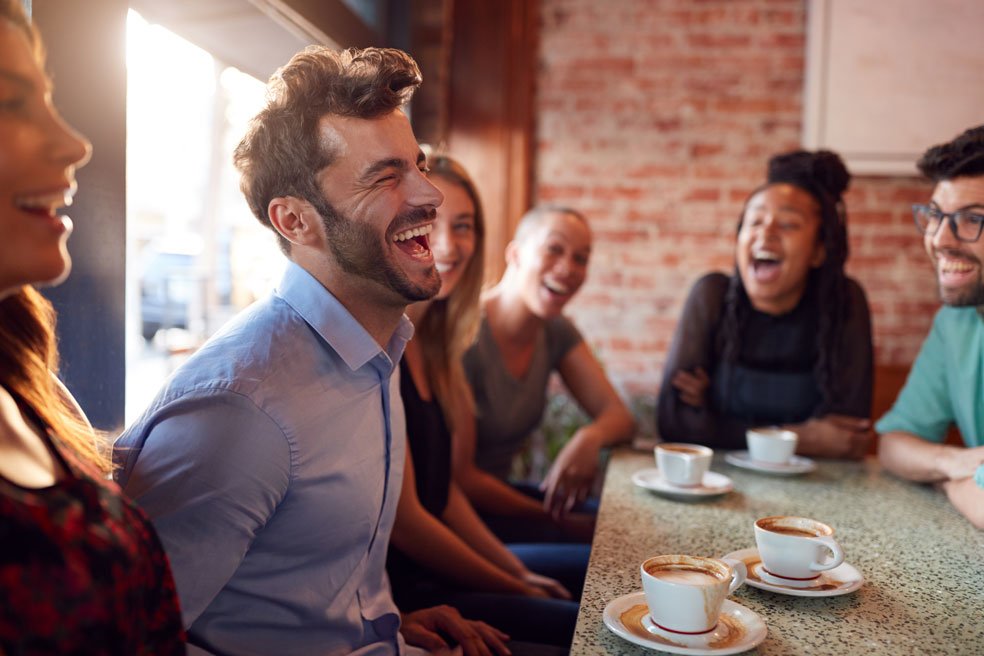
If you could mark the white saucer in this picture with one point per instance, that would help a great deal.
(840, 580)
(713, 484)
(739, 629)
(796, 464)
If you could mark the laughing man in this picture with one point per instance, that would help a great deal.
(271, 461)
(946, 384)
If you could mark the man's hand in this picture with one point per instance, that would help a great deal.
(544, 584)
(967, 498)
(958, 463)
(692, 386)
(572, 474)
(835, 436)
(424, 628)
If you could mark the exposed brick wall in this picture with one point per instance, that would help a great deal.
(656, 117)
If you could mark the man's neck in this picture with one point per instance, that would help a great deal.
(363, 298)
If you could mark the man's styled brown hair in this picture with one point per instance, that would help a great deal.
(281, 153)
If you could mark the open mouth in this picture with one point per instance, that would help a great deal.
(955, 270)
(44, 204)
(414, 241)
(766, 265)
(557, 290)
(445, 267)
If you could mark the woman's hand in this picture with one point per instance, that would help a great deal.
(835, 436)
(692, 386)
(545, 585)
(572, 474)
(423, 628)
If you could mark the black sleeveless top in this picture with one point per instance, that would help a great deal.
(429, 441)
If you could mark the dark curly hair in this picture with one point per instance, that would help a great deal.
(962, 156)
(281, 153)
(824, 176)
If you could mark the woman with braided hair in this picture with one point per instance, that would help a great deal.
(786, 339)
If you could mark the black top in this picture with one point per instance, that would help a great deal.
(772, 382)
(82, 570)
(429, 441)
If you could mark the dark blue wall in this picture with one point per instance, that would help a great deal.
(86, 59)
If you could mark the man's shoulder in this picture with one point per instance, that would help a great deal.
(260, 348)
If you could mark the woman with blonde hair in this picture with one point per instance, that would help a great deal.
(436, 528)
(82, 570)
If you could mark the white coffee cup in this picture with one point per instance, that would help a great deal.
(685, 593)
(796, 548)
(772, 445)
(683, 464)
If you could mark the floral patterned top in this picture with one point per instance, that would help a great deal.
(82, 571)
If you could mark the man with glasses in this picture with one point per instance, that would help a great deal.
(946, 384)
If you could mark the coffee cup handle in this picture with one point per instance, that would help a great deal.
(738, 573)
(838, 554)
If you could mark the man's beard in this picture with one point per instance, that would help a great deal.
(358, 251)
(966, 296)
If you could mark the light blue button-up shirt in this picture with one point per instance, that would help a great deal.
(270, 464)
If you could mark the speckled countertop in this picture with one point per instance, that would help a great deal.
(922, 562)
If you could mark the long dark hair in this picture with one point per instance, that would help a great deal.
(28, 364)
(823, 175)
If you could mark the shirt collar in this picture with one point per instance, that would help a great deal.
(334, 323)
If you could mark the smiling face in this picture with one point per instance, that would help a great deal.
(38, 157)
(958, 264)
(454, 238)
(551, 262)
(778, 244)
(379, 207)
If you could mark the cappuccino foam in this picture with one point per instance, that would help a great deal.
(685, 576)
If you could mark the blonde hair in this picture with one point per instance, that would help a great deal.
(450, 325)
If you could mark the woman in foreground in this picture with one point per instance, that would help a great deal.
(81, 569)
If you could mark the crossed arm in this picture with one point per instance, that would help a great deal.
(911, 457)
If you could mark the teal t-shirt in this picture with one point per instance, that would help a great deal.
(946, 383)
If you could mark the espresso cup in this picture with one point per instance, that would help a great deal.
(796, 548)
(683, 464)
(772, 445)
(685, 593)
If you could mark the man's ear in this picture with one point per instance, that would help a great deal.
(295, 219)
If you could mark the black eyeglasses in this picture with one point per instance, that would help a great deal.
(965, 224)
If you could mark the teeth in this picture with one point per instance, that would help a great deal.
(414, 232)
(955, 266)
(766, 255)
(443, 267)
(556, 289)
(50, 202)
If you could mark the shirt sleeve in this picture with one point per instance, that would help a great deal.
(209, 472)
(923, 406)
(692, 347)
(854, 377)
(562, 336)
